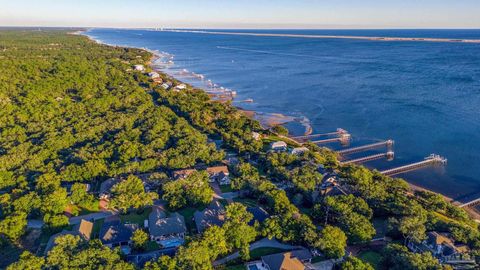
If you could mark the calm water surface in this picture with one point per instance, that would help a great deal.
(424, 95)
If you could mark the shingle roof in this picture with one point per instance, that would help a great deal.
(259, 214)
(283, 261)
(116, 232)
(159, 224)
(84, 228)
(214, 214)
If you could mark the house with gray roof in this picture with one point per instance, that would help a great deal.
(83, 229)
(114, 233)
(214, 214)
(168, 231)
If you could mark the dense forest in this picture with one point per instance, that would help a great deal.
(75, 112)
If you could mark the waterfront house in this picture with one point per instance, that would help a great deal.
(278, 146)
(182, 174)
(298, 150)
(167, 230)
(181, 86)
(443, 247)
(165, 86)
(259, 215)
(158, 80)
(219, 174)
(139, 68)
(83, 230)
(116, 234)
(256, 136)
(214, 214)
(153, 75)
(106, 186)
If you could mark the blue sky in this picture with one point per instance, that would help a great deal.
(243, 13)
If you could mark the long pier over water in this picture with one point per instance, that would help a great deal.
(433, 159)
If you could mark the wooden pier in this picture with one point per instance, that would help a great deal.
(433, 159)
(388, 155)
(388, 144)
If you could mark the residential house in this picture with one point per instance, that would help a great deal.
(153, 75)
(157, 80)
(182, 174)
(168, 231)
(443, 247)
(256, 136)
(165, 86)
(278, 146)
(299, 150)
(214, 214)
(115, 233)
(219, 174)
(181, 86)
(106, 187)
(83, 229)
(139, 67)
(259, 214)
(292, 260)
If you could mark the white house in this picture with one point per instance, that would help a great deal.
(139, 67)
(278, 146)
(298, 150)
(256, 136)
(153, 75)
(181, 86)
(165, 86)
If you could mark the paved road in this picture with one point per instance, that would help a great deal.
(265, 242)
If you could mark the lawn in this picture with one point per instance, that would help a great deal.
(372, 257)
(187, 213)
(136, 218)
(246, 201)
(259, 252)
(381, 227)
(240, 266)
(226, 188)
(97, 225)
(151, 246)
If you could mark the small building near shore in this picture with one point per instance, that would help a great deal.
(299, 150)
(256, 136)
(181, 86)
(165, 86)
(153, 75)
(278, 146)
(139, 67)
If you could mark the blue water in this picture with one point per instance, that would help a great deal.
(424, 95)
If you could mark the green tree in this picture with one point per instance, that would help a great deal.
(353, 263)
(333, 242)
(237, 231)
(163, 263)
(139, 239)
(27, 261)
(397, 257)
(130, 193)
(13, 226)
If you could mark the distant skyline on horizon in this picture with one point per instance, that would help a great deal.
(246, 14)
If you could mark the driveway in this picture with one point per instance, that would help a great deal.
(91, 217)
(262, 243)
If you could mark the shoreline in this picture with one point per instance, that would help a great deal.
(273, 119)
(373, 38)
